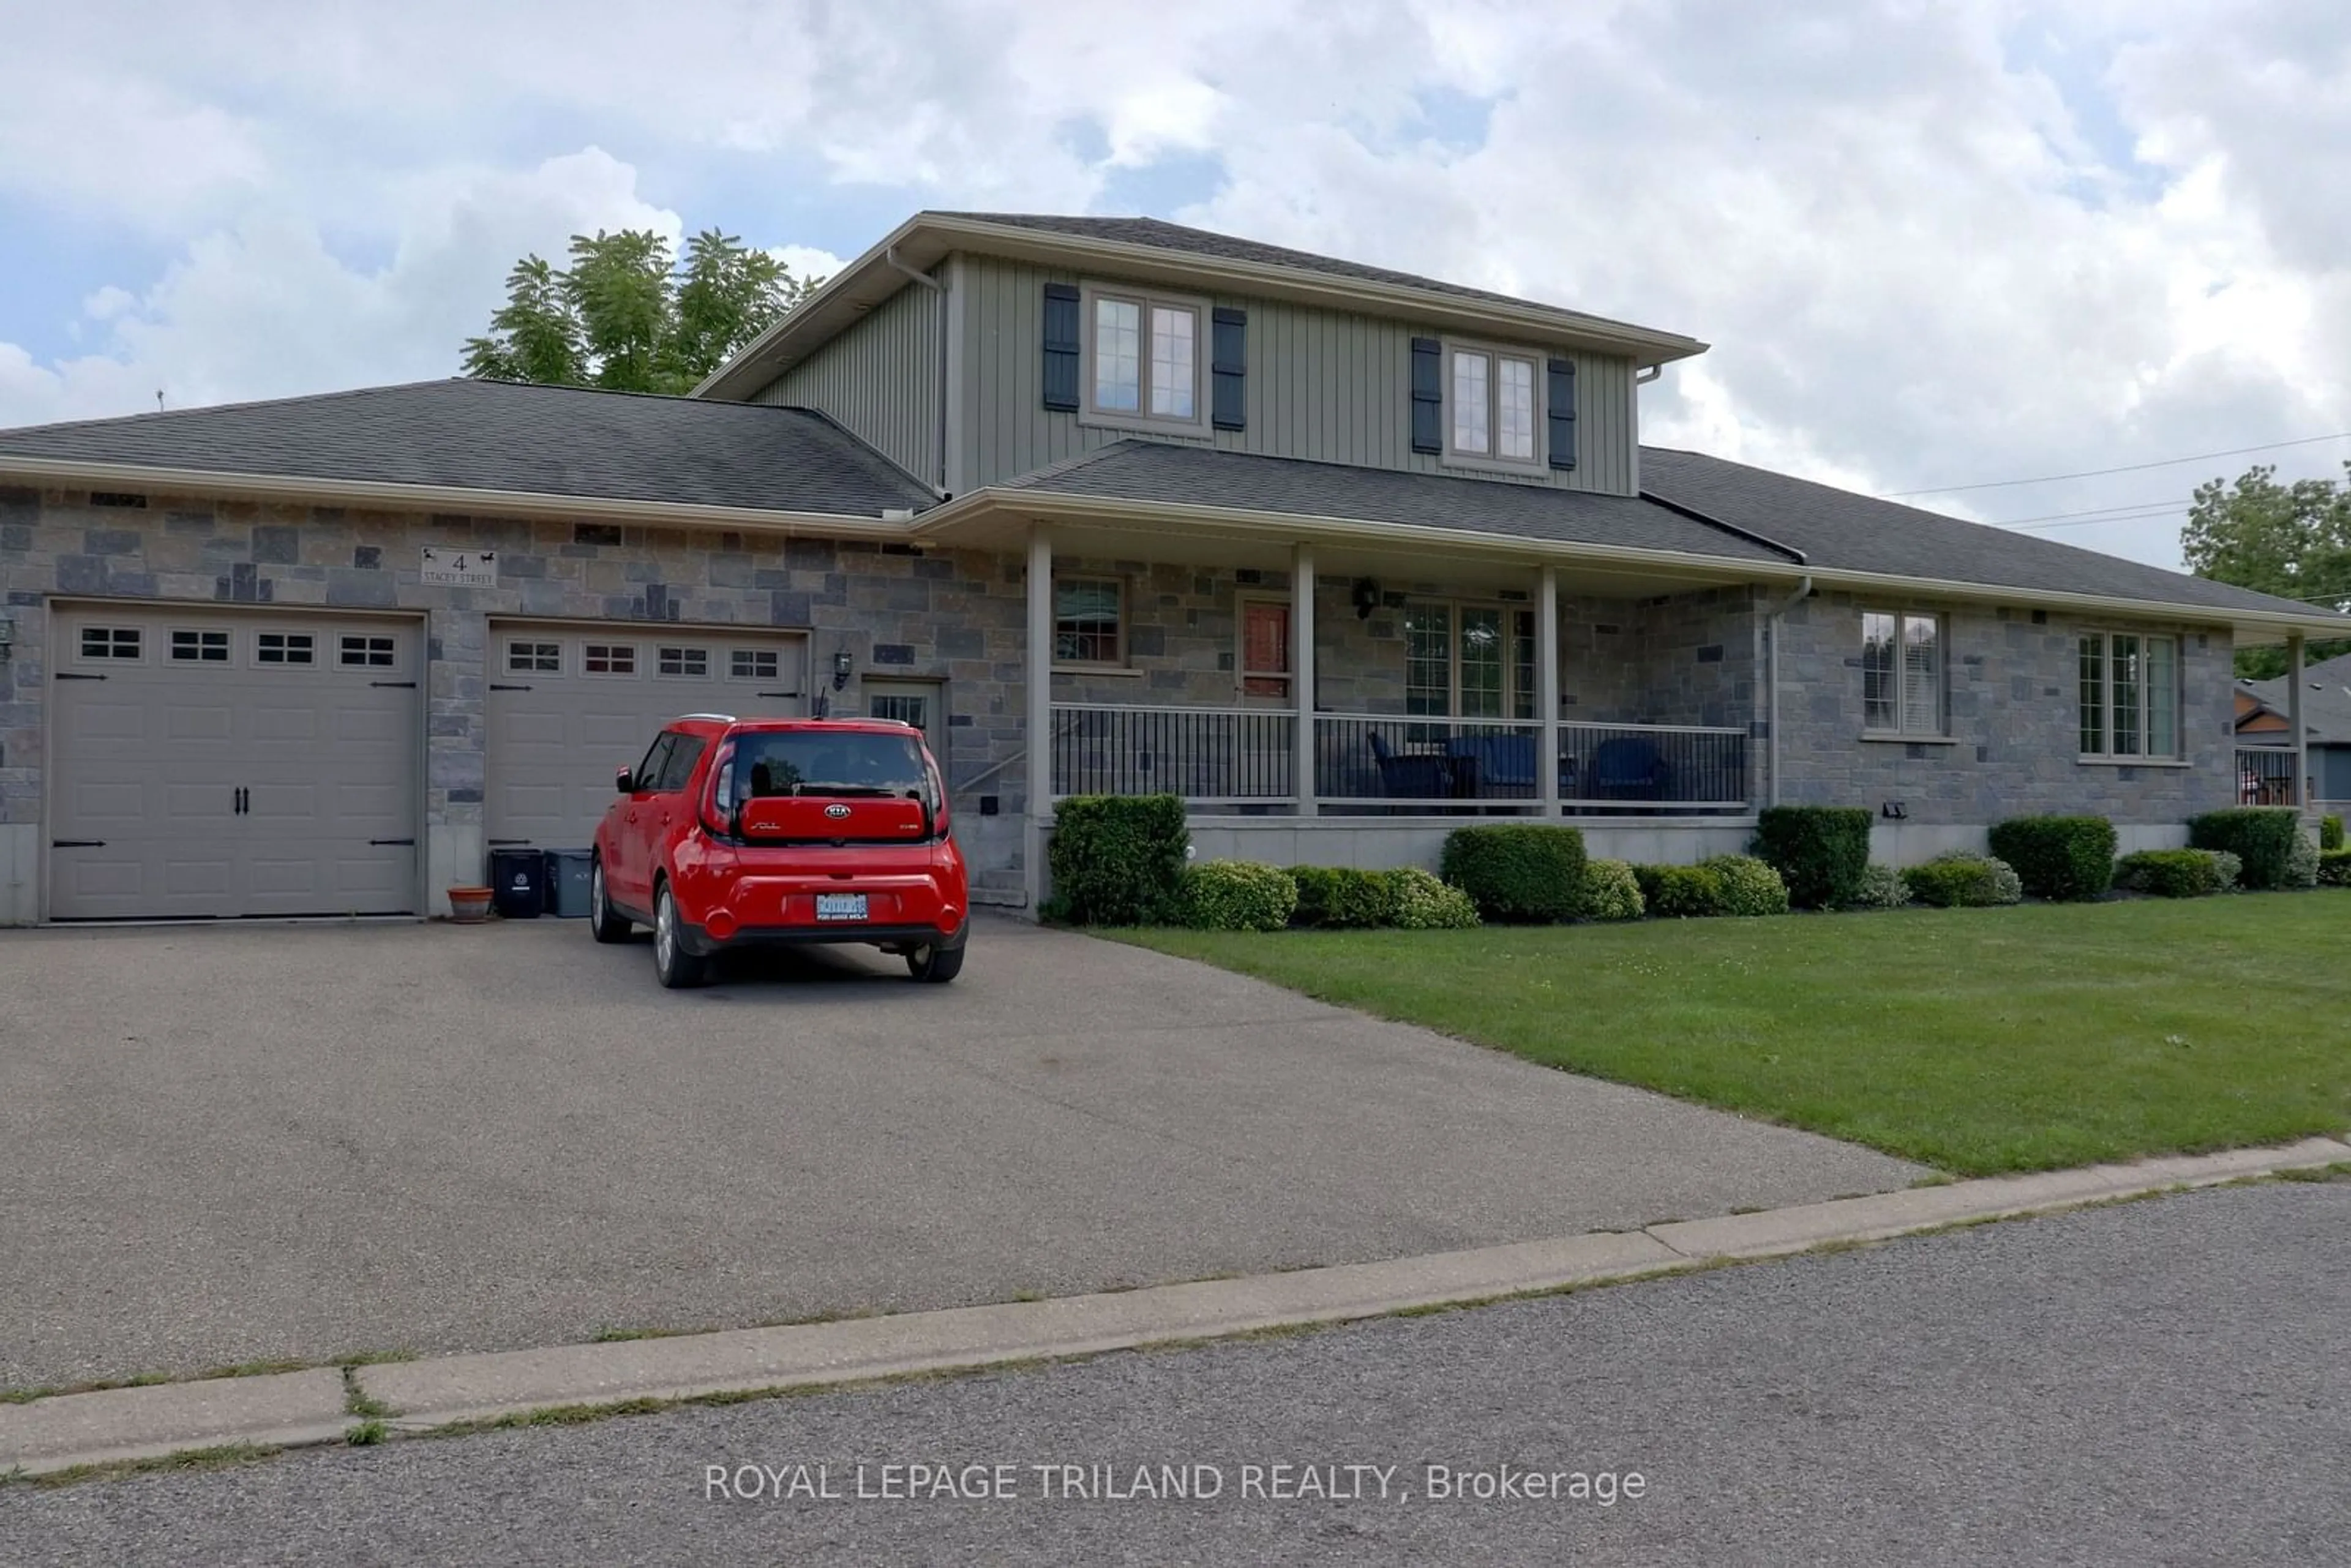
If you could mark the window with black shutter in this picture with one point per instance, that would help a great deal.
(1562, 393)
(1062, 346)
(1428, 395)
(1229, 370)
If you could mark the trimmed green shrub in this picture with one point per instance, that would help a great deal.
(1341, 898)
(1964, 882)
(2301, 862)
(1610, 893)
(1425, 904)
(2226, 868)
(2330, 833)
(2261, 836)
(1518, 871)
(1882, 887)
(2334, 868)
(1236, 895)
(1748, 885)
(1820, 851)
(1680, 892)
(2175, 873)
(1117, 859)
(2060, 858)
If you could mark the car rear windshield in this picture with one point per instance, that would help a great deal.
(849, 763)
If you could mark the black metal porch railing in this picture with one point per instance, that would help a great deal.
(1236, 755)
(1615, 765)
(2265, 776)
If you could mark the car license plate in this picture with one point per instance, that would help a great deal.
(840, 906)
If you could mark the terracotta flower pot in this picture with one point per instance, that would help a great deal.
(469, 905)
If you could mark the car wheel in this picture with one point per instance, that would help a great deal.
(935, 965)
(677, 968)
(608, 924)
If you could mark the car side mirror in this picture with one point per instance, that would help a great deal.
(626, 781)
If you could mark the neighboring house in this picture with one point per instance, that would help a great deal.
(1335, 553)
(2264, 721)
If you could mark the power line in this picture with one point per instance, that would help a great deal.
(2167, 505)
(2124, 468)
(2094, 522)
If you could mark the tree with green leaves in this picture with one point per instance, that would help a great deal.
(2293, 540)
(626, 317)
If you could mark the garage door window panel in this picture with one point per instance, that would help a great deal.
(193, 647)
(692, 663)
(607, 659)
(285, 648)
(113, 644)
(524, 658)
(370, 653)
(754, 664)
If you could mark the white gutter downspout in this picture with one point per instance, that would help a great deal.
(1771, 677)
(939, 480)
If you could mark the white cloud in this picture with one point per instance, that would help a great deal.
(1932, 245)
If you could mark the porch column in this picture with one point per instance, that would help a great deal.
(1547, 688)
(1038, 725)
(2294, 683)
(1302, 674)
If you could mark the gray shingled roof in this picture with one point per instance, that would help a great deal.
(1843, 531)
(2326, 699)
(1193, 475)
(500, 435)
(1159, 235)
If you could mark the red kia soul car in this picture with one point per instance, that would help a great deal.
(779, 830)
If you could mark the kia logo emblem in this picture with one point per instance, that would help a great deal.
(836, 811)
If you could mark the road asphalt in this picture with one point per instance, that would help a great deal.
(2161, 1382)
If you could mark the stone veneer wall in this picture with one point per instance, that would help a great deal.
(954, 616)
(2013, 746)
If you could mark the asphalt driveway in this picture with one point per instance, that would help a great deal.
(219, 1146)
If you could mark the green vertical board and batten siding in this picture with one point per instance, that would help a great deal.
(879, 380)
(1326, 385)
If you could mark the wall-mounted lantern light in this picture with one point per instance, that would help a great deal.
(842, 664)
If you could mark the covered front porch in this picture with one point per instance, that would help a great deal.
(1408, 691)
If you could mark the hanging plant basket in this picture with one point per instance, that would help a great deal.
(469, 905)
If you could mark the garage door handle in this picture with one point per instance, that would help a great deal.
(76, 675)
(410, 684)
(78, 844)
(374, 843)
(496, 687)
(754, 693)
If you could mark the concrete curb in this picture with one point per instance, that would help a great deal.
(295, 1408)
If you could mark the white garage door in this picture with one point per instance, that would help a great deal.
(569, 706)
(220, 763)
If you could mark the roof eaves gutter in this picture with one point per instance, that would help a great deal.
(975, 504)
(448, 497)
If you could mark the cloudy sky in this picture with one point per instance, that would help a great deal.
(1934, 242)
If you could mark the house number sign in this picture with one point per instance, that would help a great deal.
(460, 568)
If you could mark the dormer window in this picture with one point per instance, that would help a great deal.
(1493, 398)
(1144, 360)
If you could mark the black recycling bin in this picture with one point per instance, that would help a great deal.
(519, 883)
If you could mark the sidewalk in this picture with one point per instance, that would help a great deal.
(325, 1404)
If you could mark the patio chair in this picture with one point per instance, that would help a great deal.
(1415, 777)
(1628, 769)
(1500, 764)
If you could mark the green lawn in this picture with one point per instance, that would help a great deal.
(1978, 1041)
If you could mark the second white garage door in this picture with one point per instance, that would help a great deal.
(567, 705)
